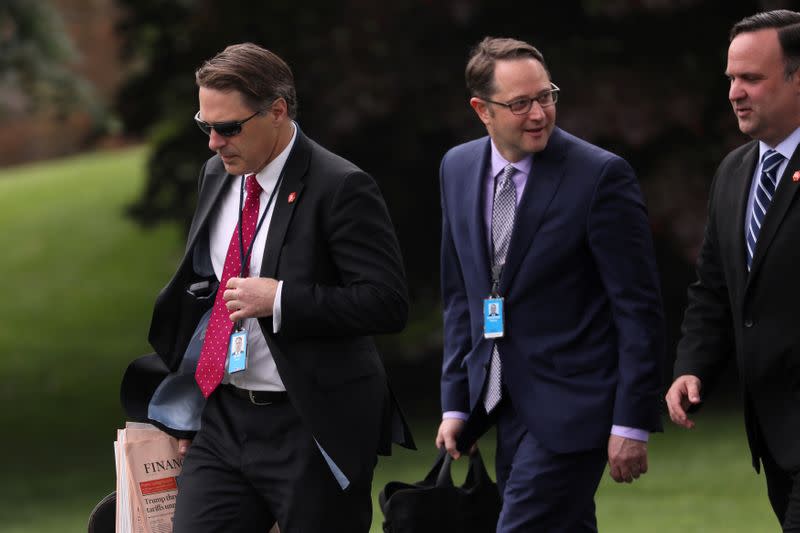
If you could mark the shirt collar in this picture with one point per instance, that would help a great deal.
(523, 166)
(786, 147)
(269, 175)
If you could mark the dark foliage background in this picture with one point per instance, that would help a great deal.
(382, 84)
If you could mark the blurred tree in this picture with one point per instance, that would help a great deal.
(35, 53)
(382, 84)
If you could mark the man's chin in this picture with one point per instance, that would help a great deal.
(537, 146)
(231, 168)
(747, 127)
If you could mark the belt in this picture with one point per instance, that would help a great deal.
(258, 397)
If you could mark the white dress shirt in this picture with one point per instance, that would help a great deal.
(261, 373)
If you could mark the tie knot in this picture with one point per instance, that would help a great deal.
(505, 175)
(770, 161)
(251, 185)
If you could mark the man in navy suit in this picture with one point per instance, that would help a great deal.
(555, 229)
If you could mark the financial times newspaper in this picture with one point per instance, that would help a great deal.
(148, 465)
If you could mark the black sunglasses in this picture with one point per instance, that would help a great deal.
(226, 129)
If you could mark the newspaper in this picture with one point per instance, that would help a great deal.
(148, 465)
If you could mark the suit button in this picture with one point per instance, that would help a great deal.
(748, 323)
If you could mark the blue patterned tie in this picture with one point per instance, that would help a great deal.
(504, 211)
(763, 197)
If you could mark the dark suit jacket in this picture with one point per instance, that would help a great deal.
(752, 317)
(335, 250)
(584, 323)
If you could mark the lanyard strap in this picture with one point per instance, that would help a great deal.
(245, 256)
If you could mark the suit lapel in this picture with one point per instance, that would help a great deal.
(740, 188)
(542, 184)
(476, 202)
(286, 199)
(784, 196)
(210, 192)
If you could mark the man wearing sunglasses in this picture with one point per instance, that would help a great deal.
(291, 254)
(552, 231)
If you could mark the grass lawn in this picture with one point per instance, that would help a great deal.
(699, 481)
(80, 282)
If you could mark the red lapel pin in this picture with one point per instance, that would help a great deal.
(796, 176)
(293, 195)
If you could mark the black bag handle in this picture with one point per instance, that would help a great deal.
(440, 471)
(477, 473)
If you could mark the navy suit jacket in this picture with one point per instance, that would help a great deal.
(584, 320)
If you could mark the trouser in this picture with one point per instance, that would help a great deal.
(783, 489)
(252, 465)
(543, 490)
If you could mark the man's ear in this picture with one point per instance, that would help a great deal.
(481, 109)
(278, 111)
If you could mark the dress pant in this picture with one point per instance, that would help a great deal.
(251, 465)
(783, 489)
(543, 490)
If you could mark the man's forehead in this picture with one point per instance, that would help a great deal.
(524, 74)
(758, 46)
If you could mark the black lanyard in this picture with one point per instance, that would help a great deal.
(244, 256)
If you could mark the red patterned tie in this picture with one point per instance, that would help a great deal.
(211, 366)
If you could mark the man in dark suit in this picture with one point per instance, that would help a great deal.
(557, 229)
(743, 304)
(300, 243)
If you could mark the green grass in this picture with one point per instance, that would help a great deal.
(699, 481)
(79, 283)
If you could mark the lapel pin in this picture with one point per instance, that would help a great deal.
(796, 175)
(293, 195)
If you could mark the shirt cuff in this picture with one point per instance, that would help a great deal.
(276, 309)
(630, 433)
(454, 414)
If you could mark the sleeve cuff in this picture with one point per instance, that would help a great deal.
(276, 309)
(454, 414)
(630, 433)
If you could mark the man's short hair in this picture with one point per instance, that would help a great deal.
(259, 75)
(788, 25)
(480, 67)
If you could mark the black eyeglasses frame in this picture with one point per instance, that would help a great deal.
(226, 129)
(553, 92)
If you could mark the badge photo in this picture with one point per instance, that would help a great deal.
(493, 318)
(237, 352)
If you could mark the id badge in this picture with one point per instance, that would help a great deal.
(493, 318)
(237, 352)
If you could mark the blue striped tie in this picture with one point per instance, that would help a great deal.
(763, 197)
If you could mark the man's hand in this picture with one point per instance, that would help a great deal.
(250, 297)
(627, 458)
(183, 447)
(449, 429)
(684, 392)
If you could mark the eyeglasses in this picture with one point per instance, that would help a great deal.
(522, 106)
(226, 129)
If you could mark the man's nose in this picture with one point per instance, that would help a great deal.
(215, 141)
(536, 112)
(736, 92)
